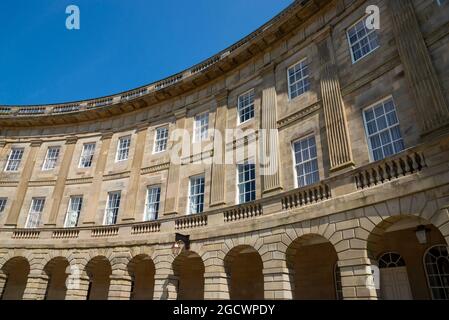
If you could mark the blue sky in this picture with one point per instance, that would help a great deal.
(121, 44)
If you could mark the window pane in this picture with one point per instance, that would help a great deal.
(306, 161)
(247, 182)
(384, 134)
(246, 106)
(361, 40)
(196, 195)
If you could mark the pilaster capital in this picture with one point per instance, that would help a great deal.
(222, 97)
(71, 140)
(107, 135)
(141, 127)
(323, 35)
(36, 143)
(180, 113)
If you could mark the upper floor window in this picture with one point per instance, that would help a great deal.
(196, 195)
(112, 208)
(160, 140)
(306, 161)
(246, 106)
(14, 159)
(123, 148)
(2, 204)
(153, 200)
(201, 127)
(382, 129)
(362, 40)
(87, 155)
(298, 79)
(246, 182)
(35, 214)
(51, 158)
(73, 211)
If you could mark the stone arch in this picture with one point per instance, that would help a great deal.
(244, 268)
(188, 268)
(57, 271)
(400, 234)
(141, 269)
(311, 259)
(99, 271)
(17, 270)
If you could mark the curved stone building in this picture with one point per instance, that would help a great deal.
(353, 202)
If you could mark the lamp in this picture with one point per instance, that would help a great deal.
(181, 242)
(422, 234)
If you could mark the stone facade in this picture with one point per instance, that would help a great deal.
(320, 241)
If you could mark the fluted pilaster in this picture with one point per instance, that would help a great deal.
(172, 194)
(340, 153)
(432, 107)
(22, 187)
(95, 188)
(58, 191)
(133, 189)
(217, 196)
(269, 144)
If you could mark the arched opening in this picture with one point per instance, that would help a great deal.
(312, 261)
(142, 270)
(436, 262)
(399, 245)
(189, 269)
(244, 267)
(16, 270)
(394, 282)
(57, 271)
(99, 271)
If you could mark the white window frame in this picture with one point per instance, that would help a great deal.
(196, 195)
(3, 202)
(71, 211)
(239, 122)
(157, 203)
(17, 160)
(200, 129)
(123, 147)
(110, 209)
(295, 170)
(246, 162)
(51, 158)
(89, 155)
(351, 44)
(368, 136)
(304, 60)
(36, 208)
(158, 140)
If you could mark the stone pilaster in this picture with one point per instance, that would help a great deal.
(58, 191)
(277, 280)
(218, 184)
(79, 288)
(165, 287)
(36, 286)
(3, 278)
(95, 188)
(22, 187)
(216, 282)
(340, 154)
(172, 194)
(120, 286)
(433, 111)
(357, 277)
(133, 188)
(269, 145)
